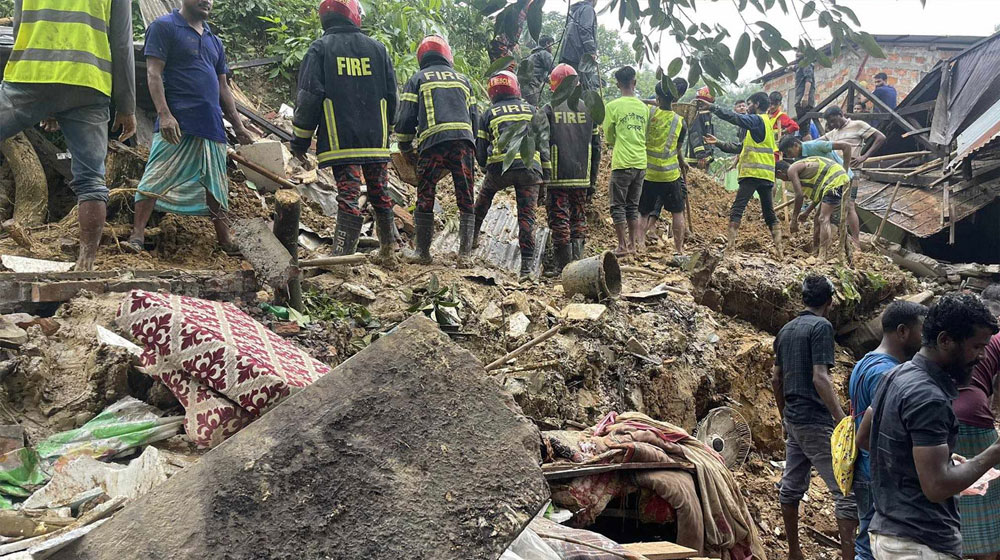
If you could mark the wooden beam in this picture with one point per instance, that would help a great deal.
(906, 125)
(906, 178)
(662, 550)
(264, 123)
(916, 108)
(832, 97)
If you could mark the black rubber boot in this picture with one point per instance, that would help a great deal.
(475, 231)
(466, 234)
(562, 256)
(386, 239)
(577, 244)
(424, 222)
(526, 262)
(345, 237)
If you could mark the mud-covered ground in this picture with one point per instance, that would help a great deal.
(673, 357)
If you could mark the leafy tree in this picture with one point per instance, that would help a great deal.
(6, 8)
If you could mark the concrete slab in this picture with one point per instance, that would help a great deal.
(406, 450)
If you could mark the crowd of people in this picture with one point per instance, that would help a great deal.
(925, 430)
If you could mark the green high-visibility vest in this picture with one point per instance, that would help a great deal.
(829, 177)
(63, 42)
(663, 145)
(757, 158)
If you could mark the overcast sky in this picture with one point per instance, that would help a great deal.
(893, 17)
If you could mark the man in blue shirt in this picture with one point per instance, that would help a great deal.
(901, 325)
(186, 173)
(883, 91)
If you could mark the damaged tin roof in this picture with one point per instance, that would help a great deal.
(918, 210)
(498, 243)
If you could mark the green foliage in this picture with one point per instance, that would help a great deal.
(440, 303)
(848, 285)
(876, 280)
(6, 8)
(323, 307)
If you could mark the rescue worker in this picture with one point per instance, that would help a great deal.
(507, 110)
(666, 169)
(72, 73)
(756, 166)
(540, 62)
(575, 158)
(437, 120)
(783, 124)
(699, 153)
(823, 181)
(347, 88)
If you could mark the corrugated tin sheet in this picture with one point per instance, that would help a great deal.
(974, 88)
(498, 240)
(918, 210)
(979, 134)
(152, 9)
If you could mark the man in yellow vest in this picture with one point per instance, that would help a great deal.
(823, 181)
(666, 168)
(69, 62)
(756, 165)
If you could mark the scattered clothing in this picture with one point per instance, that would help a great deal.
(886, 94)
(802, 343)
(980, 527)
(456, 157)
(626, 190)
(808, 446)
(913, 408)
(225, 368)
(376, 181)
(194, 63)
(972, 407)
(346, 91)
(181, 176)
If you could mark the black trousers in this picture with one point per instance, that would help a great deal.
(764, 189)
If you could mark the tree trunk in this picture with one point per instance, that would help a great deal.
(286, 228)
(31, 189)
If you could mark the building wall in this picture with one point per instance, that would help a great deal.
(905, 65)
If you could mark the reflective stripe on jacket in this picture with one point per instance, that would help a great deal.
(663, 145)
(575, 147)
(757, 158)
(63, 42)
(436, 106)
(829, 177)
(502, 115)
(347, 88)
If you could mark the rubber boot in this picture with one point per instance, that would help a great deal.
(730, 241)
(475, 232)
(778, 243)
(466, 234)
(345, 237)
(386, 239)
(525, 274)
(562, 256)
(424, 222)
(577, 244)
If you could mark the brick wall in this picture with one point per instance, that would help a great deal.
(905, 65)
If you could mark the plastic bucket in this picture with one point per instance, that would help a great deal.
(597, 278)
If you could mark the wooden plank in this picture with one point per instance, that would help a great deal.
(264, 123)
(916, 108)
(560, 472)
(255, 63)
(661, 550)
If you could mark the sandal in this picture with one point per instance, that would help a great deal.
(132, 246)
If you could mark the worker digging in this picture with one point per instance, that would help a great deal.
(424, 242)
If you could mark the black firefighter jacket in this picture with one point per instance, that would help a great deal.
(503, 114)
(575, 147)
(436, 106)
(347, 88)
(581, 33)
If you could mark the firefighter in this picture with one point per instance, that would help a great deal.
(575, 157)
(700, 153)
(436, 128)
(347, 88)
(507, 110)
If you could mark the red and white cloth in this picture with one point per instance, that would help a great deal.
(225, 368)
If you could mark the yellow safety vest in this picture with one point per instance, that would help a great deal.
(63, 42)
(757, 158)
(829, 177)
(663, 145)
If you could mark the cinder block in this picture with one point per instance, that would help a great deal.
(269, 154)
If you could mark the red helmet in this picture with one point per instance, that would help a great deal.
(348, 9)
(434, 44)
(503, 83)
(705, 94)
(560, 73)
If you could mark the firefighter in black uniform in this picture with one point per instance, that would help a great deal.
(347, 88)
(437, 120)
(507, 110)
(701, 154)
(574, 160)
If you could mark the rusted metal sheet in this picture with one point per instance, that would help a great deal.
(918, 210)
(498, 241)
(152, 9)
(980, 134)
